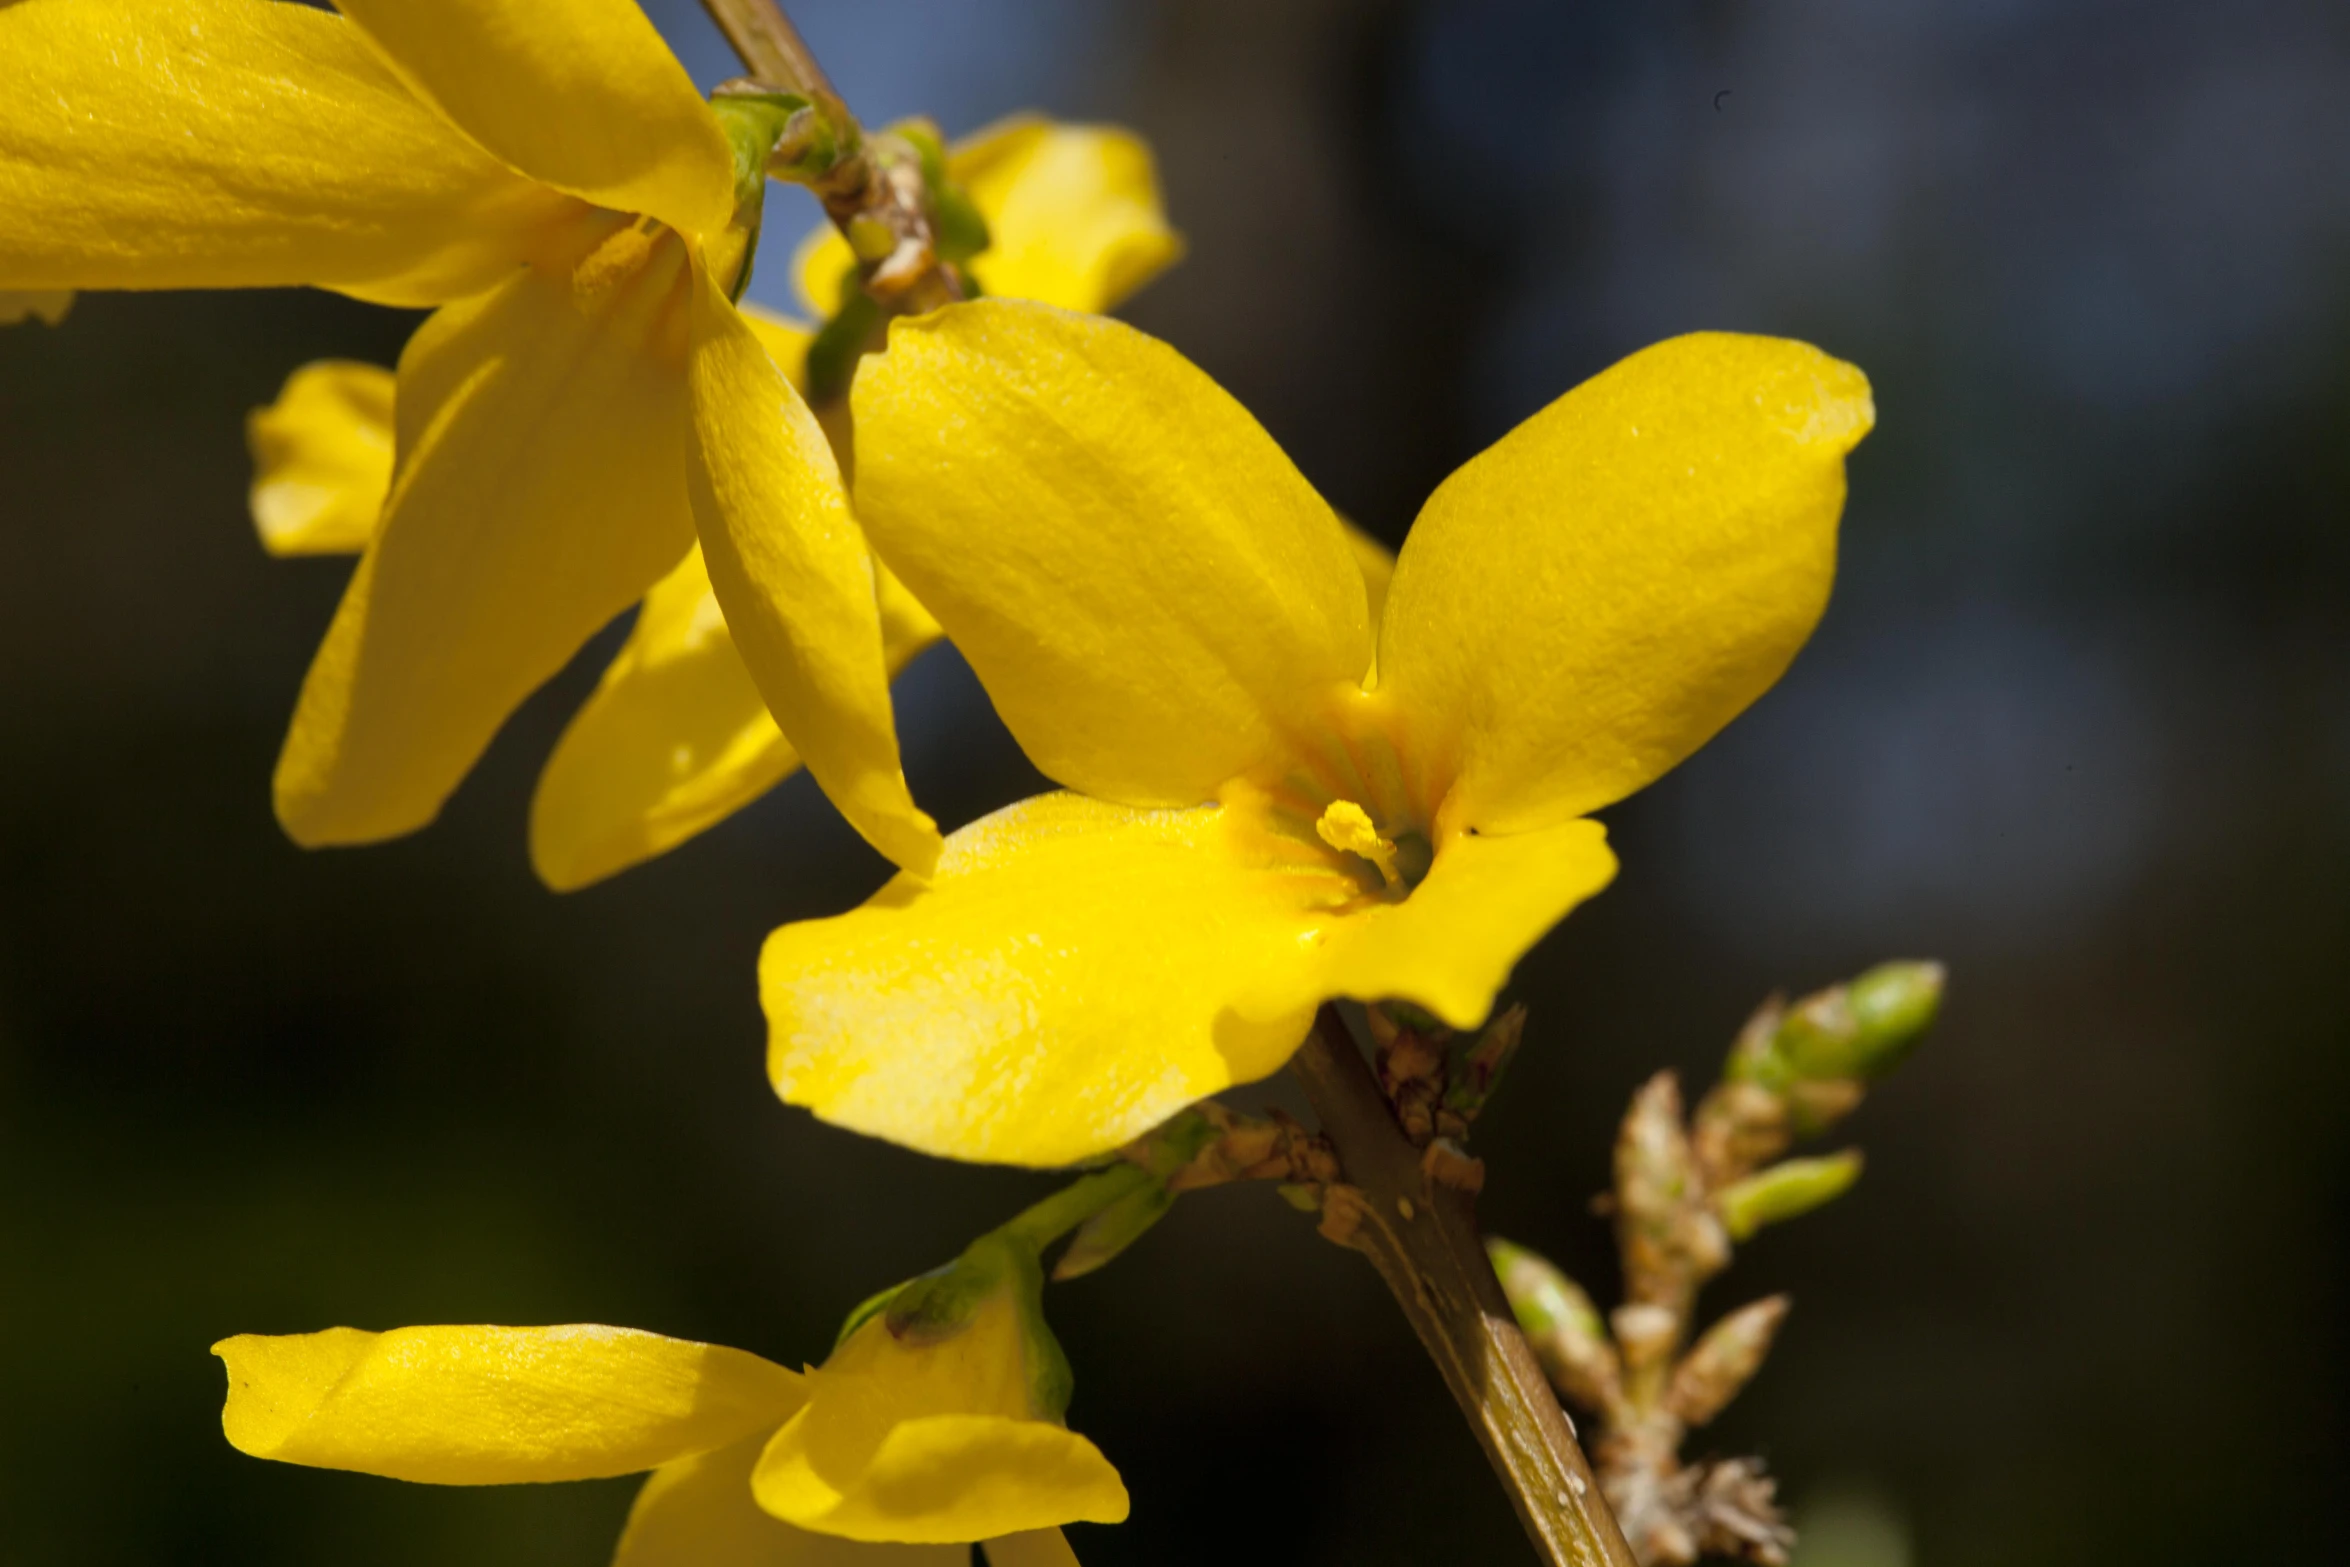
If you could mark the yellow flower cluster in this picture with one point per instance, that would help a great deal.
(1291, 768)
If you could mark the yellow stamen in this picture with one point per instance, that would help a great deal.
(1347, 827)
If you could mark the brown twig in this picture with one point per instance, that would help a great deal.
(1421, 1234)
(873, 190)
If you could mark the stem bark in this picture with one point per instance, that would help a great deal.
(1422, 1237)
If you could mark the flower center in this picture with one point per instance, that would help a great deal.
(1400, 861)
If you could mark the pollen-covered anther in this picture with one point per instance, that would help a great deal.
(1348, 828)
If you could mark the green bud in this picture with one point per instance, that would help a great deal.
(1724, 1360)
(1861, 1030)
(1786, 1190)
(1112, 1230)
(1561, 1323)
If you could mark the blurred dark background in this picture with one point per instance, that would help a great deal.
(2078, 722)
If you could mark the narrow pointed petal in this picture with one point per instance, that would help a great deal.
(1591, 599)
(792, 572)
(676, 737)
(493, 1405)
(241, 143)
(698, 1512)
(1077, 972)
(1154, 597)
(322, 459)
(539, 493)
(933, 1440)
(1036, 1548)
(48, 305)
(580, 94)
(1074, 218)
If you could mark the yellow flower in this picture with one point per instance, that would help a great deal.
(676, 737)
(1263, 814)
(898, 1452)
(585, 404)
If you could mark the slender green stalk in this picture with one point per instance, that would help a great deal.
(1422, 1237)
(1045, 1222)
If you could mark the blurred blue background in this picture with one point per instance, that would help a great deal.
(2078, 722)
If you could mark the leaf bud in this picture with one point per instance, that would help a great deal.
(1786, 1190)
(1861, 1030)
(1724, 1360)
(1562, 1325)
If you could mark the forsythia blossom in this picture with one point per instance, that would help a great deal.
(676, 737)
(584, 406)
(1274, 800)
(913, 1440)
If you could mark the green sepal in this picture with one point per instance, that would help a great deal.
(754, 121)
(1786, 1190)
(1111, 1231)
(866, 1310)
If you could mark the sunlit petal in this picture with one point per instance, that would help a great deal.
(493, 1405)
(698, 1512)
(1153, 596)
(1592, 598)
(231, 143)
(322, 459)
(1449, 947)
(539, 493)
(1071, 977)
(581, 94)
(791, 570)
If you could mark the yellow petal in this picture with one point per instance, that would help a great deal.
(1036, 1548)
(1065, 982)
(676, 737)
(1153, 596)
(1587, 602)
(539, 493)
(49, 304)
(698, 1512)
(322, 459)
(1074, 218)
(1449, 947)
(581, 94)
(490, 1405)
(1077, 972)
(235, 143)
(932, 1442)
(792, 572)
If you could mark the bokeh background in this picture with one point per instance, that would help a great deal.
(2078, 722)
